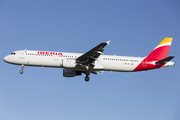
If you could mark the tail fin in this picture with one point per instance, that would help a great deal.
(161, 51)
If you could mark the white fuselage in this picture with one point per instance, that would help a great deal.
(55, 59)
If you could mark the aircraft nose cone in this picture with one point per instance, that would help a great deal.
(6, 59)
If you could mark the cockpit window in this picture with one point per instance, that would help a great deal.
(13, 53)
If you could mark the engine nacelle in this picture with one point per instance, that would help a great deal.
(70, 73)
(68, 63)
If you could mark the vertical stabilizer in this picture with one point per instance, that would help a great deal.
(161, 51)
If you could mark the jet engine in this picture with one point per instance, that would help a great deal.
(71, 73)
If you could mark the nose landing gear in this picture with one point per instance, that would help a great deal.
(21, 71)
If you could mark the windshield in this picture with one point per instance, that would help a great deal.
(13, 53)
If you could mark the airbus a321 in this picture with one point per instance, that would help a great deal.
(93, 61)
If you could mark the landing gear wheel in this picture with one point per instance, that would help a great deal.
(21, 72)
(87, 78)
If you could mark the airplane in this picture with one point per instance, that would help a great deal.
(93, 61)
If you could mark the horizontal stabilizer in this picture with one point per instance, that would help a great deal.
(165, 60)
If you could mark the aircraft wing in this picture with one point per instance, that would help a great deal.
(90, 56)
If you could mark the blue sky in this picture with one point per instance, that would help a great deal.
(135, 28)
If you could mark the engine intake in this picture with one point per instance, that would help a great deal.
(71, 73)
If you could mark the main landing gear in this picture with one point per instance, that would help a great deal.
(87, 76)
(21, 71)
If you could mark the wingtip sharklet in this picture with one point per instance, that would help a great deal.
(108, 42)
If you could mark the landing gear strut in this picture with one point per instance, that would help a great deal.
(21, 71)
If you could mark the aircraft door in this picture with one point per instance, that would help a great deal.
(56, 57)
(22, 54)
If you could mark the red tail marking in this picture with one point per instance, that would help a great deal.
(156, 55)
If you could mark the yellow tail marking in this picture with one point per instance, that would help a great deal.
(165, 41)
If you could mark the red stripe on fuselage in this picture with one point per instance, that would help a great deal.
(156, 55)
